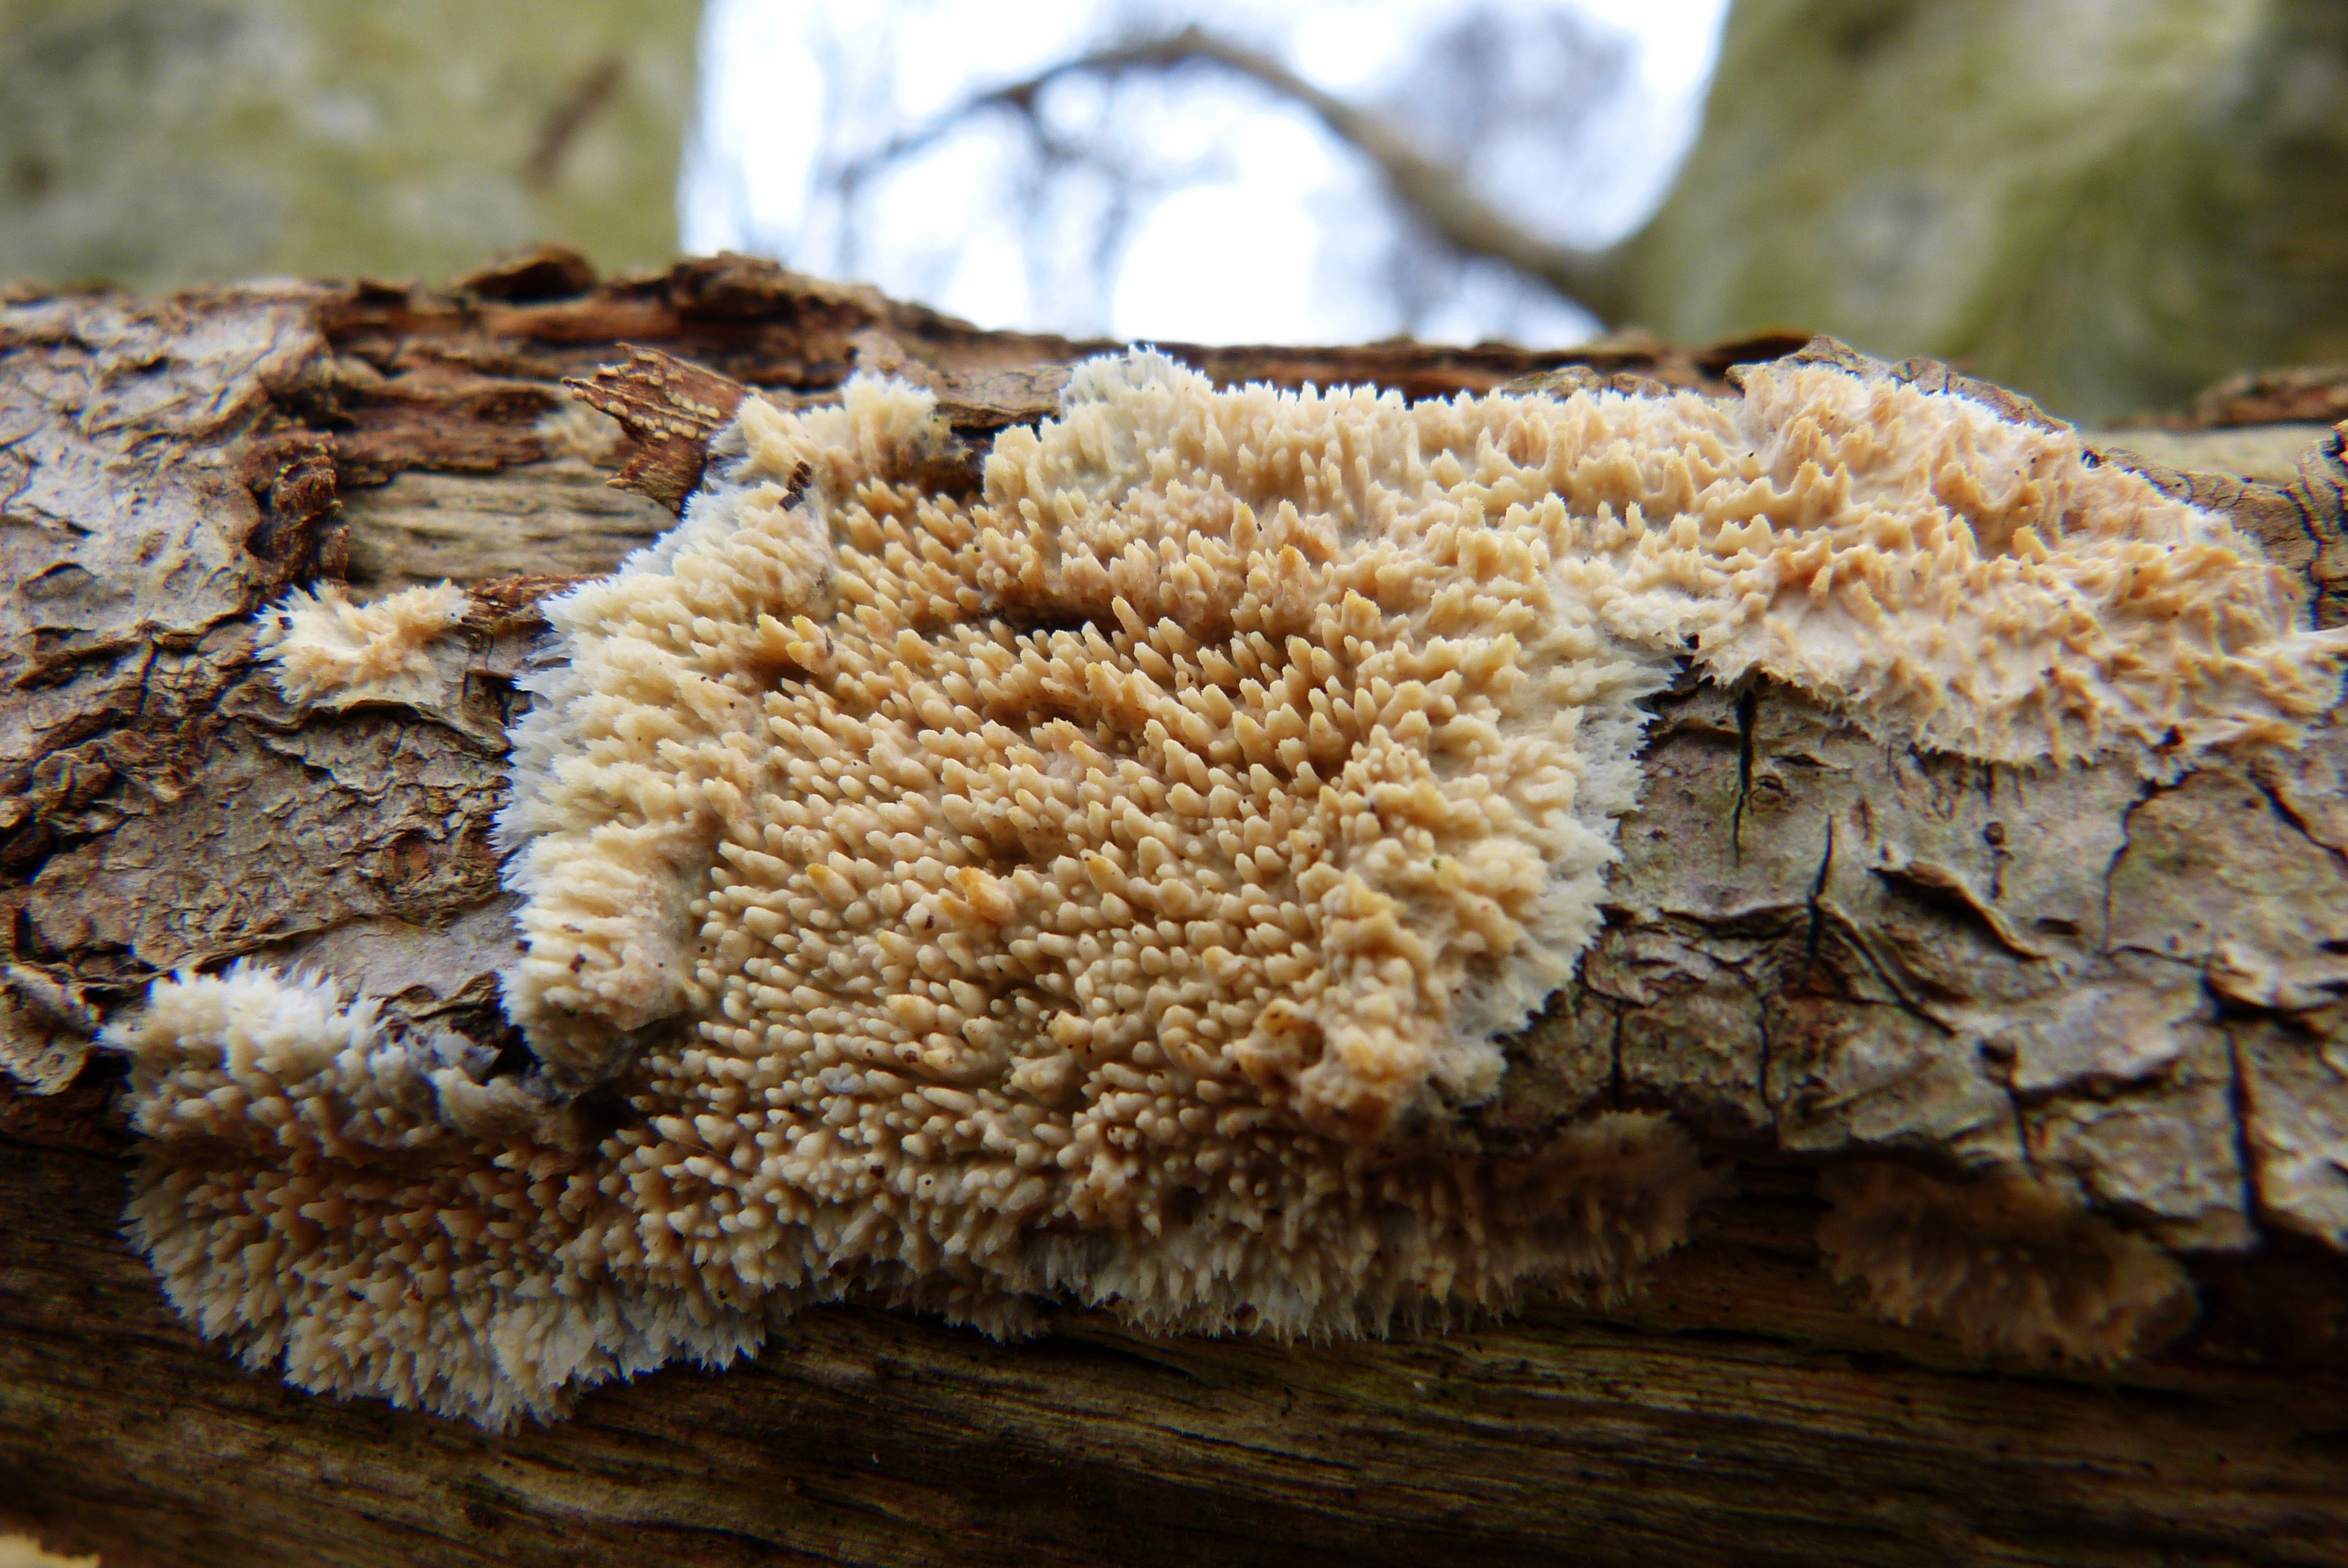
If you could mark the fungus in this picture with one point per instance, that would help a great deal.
(325, 1189)
(1193, 626)
(2005, 1265)
(1115, 883)
(336, 654)
(574, 430)
(23, 1552)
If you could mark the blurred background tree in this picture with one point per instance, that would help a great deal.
(157, 143)
(1102, 169)
(2107, 203)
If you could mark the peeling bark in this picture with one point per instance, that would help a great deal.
(1819, 952)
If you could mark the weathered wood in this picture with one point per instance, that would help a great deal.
(669, 409)
(1818, 951)
(1747, 1416)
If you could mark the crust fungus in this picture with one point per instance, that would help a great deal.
(336, 654)
(575, 430)
(372, 1209)
(23, 1552)
(1115, 883)
(2005, 1265)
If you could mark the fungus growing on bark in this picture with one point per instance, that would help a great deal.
(369, 1207)
(1260, 614)
(372, 1209)
(23, 1552)
(1117, 882)
(2002, 1264)
(333, 653)
(574, 430)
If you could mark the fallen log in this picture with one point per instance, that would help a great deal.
(1831, 960)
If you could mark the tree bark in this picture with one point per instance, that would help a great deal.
(2107, 207)
(1819, 953)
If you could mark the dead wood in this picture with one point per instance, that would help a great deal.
(1819, 953)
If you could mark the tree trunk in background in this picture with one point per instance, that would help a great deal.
(160, 143)
(2105, 203)
(1797, 913)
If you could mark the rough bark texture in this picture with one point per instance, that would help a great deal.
(1818, 952)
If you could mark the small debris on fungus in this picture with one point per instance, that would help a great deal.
(1115, 884)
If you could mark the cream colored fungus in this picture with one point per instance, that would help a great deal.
(336, 654)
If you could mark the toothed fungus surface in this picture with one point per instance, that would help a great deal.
(1371, 667)
(2002, 1264)
(371, 1209)
(1116, 882)
(575, 430)
(374, 1210)
(336, 654)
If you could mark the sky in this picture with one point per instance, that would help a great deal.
(1230, 216)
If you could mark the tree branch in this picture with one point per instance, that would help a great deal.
(2098, 949)
(1438, 195)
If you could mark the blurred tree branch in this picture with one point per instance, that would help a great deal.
(1438, 195)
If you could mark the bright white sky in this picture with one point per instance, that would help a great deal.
(1262, 228)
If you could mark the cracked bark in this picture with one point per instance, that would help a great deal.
(1818, 952)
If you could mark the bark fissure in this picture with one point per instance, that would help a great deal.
(1748, 710)
(2237, 1101)
(2111, 869)
(1816, 904)
(2301, 825)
